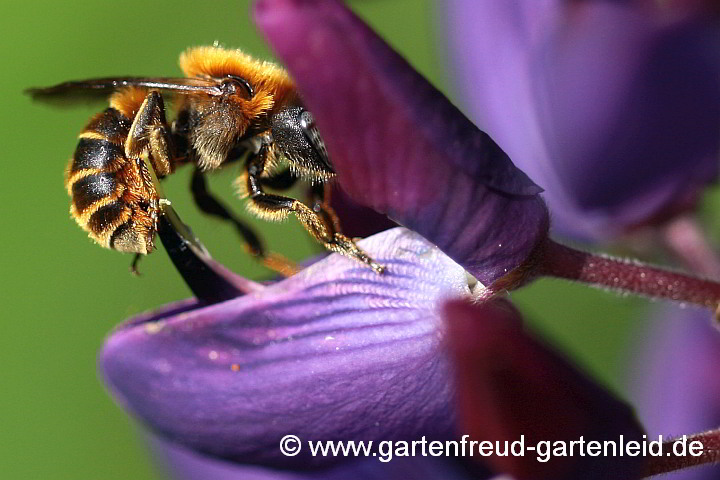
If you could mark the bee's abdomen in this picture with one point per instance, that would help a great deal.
(111, 125)
(93, 189)
(101, 143)
(107, 218)
(103, 184)
(97, 154)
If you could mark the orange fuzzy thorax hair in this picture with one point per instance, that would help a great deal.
(265, 77)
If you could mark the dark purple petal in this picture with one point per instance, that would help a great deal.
(675, 383)
(612, 110)
(186, 465)
(334, 352)
(399, 146)
(510, 385)
(356, 220)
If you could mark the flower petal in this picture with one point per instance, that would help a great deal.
(357, 220)
(675, 383)
(186, 465)
(335, 352)
(401, 147)
(510, 386)
(610, 109)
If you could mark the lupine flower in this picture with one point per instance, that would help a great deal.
(333, 352)
(416, 158)
(612, 107)
(674, 382)
(510, 385)
(371, 364)
(316, 311)
(338, 352)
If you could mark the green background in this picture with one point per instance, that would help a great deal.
(62, 294)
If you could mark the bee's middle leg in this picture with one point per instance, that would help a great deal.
(210, 205)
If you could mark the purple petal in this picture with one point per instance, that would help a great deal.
(356, 220)
(509, 386)
(334, 352)
(675, 383)
(399, 146)
(186, 465)
(611, 110)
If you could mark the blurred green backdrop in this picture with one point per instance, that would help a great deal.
(62, 294)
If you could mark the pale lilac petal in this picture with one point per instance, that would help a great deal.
(675, 383)
(612, 110)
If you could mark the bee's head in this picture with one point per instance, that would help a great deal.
(297, 138)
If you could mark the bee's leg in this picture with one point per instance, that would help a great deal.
(320, 197)
(210, 205)
(133, 266)
(149, 142)
(276, 207)
(150, 131)
(282, 180)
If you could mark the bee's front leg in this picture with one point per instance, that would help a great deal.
(277, 207)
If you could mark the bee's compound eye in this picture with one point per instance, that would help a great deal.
(229, 86)
(296, 136)
(232, 85)
(307, 121)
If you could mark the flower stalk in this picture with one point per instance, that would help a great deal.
(671, 462)
(626, 276)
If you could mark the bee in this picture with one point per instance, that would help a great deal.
(110, 184)
(229, 107)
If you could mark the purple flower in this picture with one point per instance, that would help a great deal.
(338, 352)
(382, 378)
(310, 355)
(401, 147)
(612, 107)
(674, 383)
(510, 386)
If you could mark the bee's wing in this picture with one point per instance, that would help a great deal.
(98, 88)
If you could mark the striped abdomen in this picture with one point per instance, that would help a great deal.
(111, 199)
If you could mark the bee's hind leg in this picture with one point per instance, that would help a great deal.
(150, 132)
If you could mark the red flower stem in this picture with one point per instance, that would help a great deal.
(627, 276)
(665, 464)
